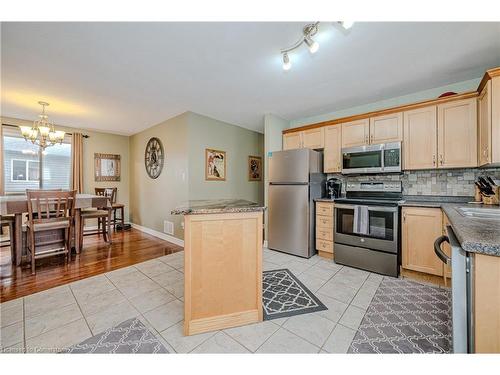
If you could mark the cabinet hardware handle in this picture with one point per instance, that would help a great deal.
(404, 218)
(441, 159)
(433, 159)
(371, 138)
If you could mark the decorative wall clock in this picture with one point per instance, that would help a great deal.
(153, 157)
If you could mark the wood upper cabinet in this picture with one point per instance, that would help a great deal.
(356, 133)
(292, 140)
(457, 134)
(332, 155)
(386, 128)
(489, 123)
(314, 138)
(421, 227)
(420, 138)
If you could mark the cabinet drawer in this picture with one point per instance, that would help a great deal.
(324, 233)
(324, 209)
(322, 245)
(324, 221)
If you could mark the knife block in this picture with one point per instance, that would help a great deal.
(492, 199)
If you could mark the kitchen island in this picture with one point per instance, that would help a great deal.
(222, 264)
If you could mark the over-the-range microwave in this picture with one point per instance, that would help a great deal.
(380, 158)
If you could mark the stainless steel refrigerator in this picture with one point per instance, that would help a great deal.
(295, 180)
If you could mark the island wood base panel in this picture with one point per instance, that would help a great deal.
(325, 254)
(222, 271)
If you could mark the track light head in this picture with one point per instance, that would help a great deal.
(347, 24)
(311, 44)
(286, 62)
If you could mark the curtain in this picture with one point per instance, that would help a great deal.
(77, 162)
(2, 192)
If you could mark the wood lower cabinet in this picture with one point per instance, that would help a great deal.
(421, 227)
(487, 303)
(386, 128)
(457, 134)
(420, 138)
(292, 141)
(356, 133)
(447, 250)
(325, 229)
(332, 155)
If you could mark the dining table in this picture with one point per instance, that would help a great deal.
(17, 205)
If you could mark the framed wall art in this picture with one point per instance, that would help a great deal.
(107, 167)
(254, 168)
(215, 165)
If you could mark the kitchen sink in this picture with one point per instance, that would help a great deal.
(479, 212)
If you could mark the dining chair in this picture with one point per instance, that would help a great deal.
(112, 194)
(48, 212)
(103, 216)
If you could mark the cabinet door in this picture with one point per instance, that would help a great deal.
(457, 134)
(356, 133)
(292, 140)
(446, 248)
(387, 128)
(313, 138)
(332, 154)
(421, 227)
(484, 118)
(420, 138)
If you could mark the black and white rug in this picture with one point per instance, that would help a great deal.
(130, 336)
(405, 317)
(283, 295)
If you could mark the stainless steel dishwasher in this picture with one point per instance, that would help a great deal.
(462, 291)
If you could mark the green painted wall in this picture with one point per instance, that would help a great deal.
(185, 139)
(238, 143)
(433, 93)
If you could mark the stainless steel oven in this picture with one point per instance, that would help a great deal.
(367, 227)
(380, 158)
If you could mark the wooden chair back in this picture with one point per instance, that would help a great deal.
(50, 205)
(107, 192)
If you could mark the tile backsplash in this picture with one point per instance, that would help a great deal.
(444, 182)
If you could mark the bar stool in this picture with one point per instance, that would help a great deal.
(111, 193)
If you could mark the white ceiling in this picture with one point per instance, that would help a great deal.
(126, 77)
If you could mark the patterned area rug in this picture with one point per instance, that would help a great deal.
(405, 317)
(131, 336)
(284, 295)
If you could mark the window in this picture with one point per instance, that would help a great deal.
(26, 168)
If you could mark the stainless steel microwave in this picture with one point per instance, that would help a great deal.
(380, 158)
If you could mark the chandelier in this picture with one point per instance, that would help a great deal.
(42, 133)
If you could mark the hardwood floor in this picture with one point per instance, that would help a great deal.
(97, 257)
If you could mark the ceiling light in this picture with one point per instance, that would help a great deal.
(42, 133)
(313, 45)
(286, 62)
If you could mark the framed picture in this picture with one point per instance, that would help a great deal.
(107, 167)
(215, 165)
(254, 168)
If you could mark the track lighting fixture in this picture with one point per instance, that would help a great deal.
(308, 32)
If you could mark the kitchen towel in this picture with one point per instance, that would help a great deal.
(360, 222)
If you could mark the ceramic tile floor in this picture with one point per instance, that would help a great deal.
(153, 291)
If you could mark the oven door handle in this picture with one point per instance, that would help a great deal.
(439, 252)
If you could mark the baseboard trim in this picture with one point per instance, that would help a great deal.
(157, 234)
(265, 243)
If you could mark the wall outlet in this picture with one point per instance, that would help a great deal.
(168, 227)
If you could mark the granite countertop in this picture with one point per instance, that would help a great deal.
(476, 235)
(324, 200)
(217, 206)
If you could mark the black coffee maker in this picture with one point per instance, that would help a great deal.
(333, 188)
